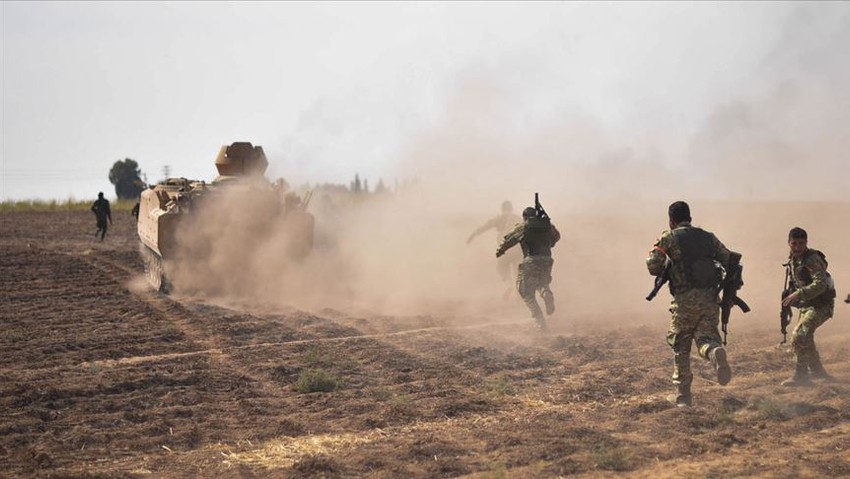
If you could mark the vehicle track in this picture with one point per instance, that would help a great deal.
(226, 350)
(174, 311)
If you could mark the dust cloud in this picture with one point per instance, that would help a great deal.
(759, 161)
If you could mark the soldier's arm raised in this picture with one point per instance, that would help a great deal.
(492, 223)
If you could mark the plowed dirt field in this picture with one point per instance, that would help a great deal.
(101, 377)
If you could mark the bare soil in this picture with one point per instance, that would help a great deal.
(100, 377)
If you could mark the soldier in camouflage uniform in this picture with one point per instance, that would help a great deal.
(693, 255)
(814, 294)
(536, 236)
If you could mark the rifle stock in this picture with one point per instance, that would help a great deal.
(785, 318)
(660, 281)
(731, 284)
(785, 314)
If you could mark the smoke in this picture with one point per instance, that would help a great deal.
(750, 161)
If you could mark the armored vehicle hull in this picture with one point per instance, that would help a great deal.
(176, 206)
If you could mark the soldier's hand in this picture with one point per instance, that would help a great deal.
(499, 252)
(791, 299)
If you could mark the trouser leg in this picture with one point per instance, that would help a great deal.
(527, 288)
(680, 341)
(803, 336)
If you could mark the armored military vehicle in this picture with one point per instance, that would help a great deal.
(179, 205)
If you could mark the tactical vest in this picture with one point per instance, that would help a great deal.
(697, 249)
(802, 278)
(537, 237)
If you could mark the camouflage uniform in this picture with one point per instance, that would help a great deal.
(817, 303)
(695, 307)
(536, 236)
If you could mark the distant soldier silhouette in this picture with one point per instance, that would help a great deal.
(503, 223)
(101, 211)
(536, 235)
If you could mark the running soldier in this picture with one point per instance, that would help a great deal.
(814, 294)
(101, 211)
(503, 223)
(536, 235)
(690, 256)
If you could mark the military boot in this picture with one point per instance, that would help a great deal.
(721, 366)
(816, 371)
(683, 398)
(800, 377)
(540, 324)
(549, 300)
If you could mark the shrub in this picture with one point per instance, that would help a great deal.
(316, 380)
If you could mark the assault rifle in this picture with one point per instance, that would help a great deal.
(732, 282)
(785, 313)
(660, 280)
(541, 213)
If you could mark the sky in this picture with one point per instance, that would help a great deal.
(732, 99)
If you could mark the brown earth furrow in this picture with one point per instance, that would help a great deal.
(103, 378)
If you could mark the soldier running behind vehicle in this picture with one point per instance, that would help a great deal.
(101, 211)
(536, 235)
(811, 289)
(502, 223)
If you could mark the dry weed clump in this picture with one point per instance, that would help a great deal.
(501, 386)
(316, 380)
(612, 457)
(769, 409)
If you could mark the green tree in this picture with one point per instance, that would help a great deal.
(126, 176)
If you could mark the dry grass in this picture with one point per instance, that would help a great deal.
(70, 204)
(286, 452)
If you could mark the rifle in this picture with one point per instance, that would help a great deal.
(541, 213)
(732, 282)
(785, 313)
(660, 280)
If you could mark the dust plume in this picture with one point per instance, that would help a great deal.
(753, 161)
